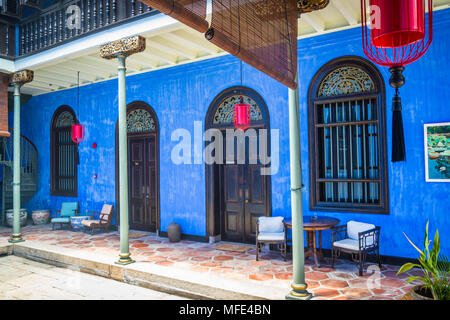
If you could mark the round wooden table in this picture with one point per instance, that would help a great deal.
(311, 225)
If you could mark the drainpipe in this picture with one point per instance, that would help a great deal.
(123, 161)
(16, 235)
(299, 285)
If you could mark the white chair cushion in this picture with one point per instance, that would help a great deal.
(347, 244)
(271, 224)
(271, 236)
(354, 227)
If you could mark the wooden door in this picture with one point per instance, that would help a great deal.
(142, 183)
(244, 198)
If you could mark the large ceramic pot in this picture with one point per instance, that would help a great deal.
(174, 232)
(416, 293)
(40, 216)
(10, 217)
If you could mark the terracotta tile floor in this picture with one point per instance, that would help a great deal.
(341, 282)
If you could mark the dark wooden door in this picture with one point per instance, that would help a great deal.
(142, 183)
(244, 199)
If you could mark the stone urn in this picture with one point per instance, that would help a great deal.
(174, 232)
(40, 216)
(10, 217)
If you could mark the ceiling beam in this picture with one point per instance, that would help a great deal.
(68, 77)
(89, 68)
(189, 40)
(346, 11)
(170, 47)
(157, 54)
(144, 61)
(67, 69)
(58, 81)
(314, 21)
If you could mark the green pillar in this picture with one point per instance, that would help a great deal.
(299, 285)
(123, 161)
(16, 235)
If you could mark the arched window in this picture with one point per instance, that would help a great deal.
(64, 154)
(348, 167)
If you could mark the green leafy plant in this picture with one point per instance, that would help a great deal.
(435, 268)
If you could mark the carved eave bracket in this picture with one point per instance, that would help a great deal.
(123, 47)
(305, 6)
(21, 77)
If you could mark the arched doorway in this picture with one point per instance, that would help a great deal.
(236, 191)
(143, 167)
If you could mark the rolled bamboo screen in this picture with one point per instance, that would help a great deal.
(190, 12)
(262, 33)
(4, 105)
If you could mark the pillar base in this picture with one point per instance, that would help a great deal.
(298, 296)
(15, 238)
(124, 259)
(299, 292)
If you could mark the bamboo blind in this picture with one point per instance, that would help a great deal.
(262, 33)
(190, 12)
(4, 105)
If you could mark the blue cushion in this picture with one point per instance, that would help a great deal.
(60, 220)
(271, 224)
(67, 209)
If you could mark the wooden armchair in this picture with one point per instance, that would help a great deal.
(271, 230)
(68, 209)
(104, 220)
(357, 239)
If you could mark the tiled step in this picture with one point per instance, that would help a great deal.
(181, 282)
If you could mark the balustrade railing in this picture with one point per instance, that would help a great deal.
(7, 40)
(66, 21)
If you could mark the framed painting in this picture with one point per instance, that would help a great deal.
(437, 152)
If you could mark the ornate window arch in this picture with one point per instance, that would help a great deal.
(220, 113)
(63, 154)
(140, 120)
(347, 138)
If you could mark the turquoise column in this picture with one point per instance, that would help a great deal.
(16, 235)
(124, 256)
(299, 285)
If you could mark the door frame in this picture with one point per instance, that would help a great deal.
(130, 107)
(212, 185)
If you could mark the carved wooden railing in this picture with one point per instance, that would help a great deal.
(7, 40)
(58, 24)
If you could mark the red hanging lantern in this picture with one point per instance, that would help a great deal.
(241, 115)
(77, 133)
(397, 38)
(397, 23)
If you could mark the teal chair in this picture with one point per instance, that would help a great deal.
(68, 209)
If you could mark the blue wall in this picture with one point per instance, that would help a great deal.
(182, 95)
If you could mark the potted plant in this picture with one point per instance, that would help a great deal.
(435, 281)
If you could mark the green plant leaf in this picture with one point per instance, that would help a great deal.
(425, 241)
(420, 251)
(406, 267)
(436, 245)
(411, 279)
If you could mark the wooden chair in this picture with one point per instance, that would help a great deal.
(357, 239)
(104, 220)
(271, 230)
(68, 209)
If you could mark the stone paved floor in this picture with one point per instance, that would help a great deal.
(341, 282)
(24, 279)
